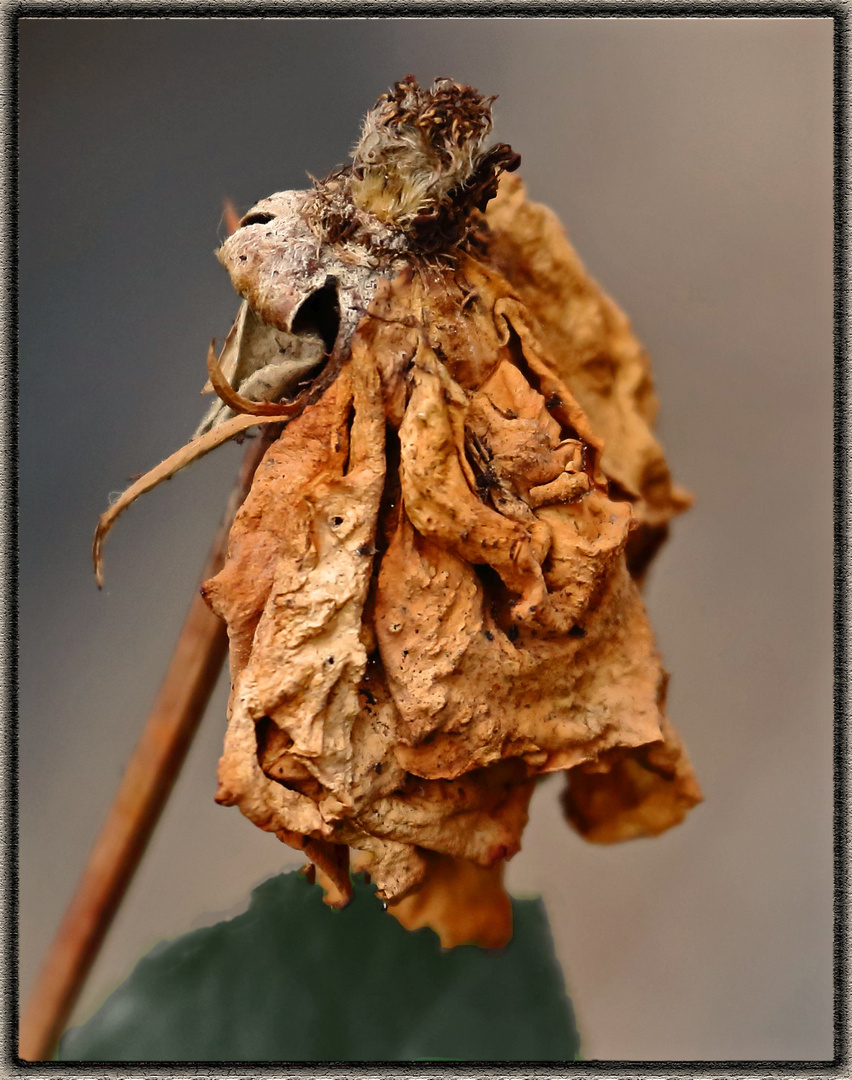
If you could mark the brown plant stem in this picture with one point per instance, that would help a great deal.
(144, 790)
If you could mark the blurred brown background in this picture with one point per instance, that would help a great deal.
(691, 161)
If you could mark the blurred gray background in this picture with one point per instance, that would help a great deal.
(690, 160)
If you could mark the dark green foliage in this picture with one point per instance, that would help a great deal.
(291, 980)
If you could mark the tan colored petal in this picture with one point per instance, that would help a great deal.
(396, 869)
(463, 903)
(478, 816)
(293, 590)
(592, 348)
(331, 862)
(436, 486)
(632, 793)
(312, 447)
(473, 686)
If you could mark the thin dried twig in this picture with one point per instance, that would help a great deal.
(144, 790)
(240, 404)
(167, 469)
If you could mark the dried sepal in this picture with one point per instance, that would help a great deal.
(260, 363)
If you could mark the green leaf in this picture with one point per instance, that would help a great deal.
(291, 980)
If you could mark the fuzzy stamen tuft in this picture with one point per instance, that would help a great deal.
(420, 166)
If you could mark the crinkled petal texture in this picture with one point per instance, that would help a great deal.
(429, 604)
(592, 347)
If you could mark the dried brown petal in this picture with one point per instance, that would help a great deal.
(593, 349)
(630, 793)
(293, 591)
(463, 903)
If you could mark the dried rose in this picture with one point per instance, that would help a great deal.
(431, 589)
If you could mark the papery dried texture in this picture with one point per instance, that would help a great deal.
(292, 592)
(560, 680)
(264, 363)
(592, 347)
(461, 902)
(625, 794)
(428, 591)
(509, 638)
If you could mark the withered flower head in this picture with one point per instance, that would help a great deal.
(431, 590)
